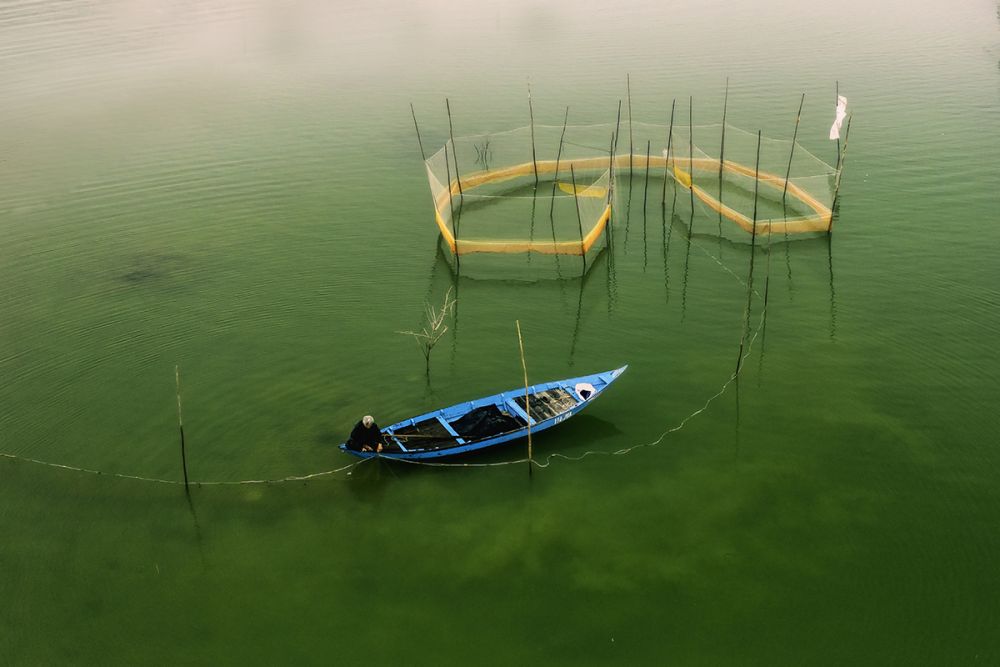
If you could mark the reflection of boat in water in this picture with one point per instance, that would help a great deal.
(475, 425)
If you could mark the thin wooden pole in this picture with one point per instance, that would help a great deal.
(753, 248)
(691, 149)
(423, 156)
(579, 220)
(555, 177)
(840, 170)
(666, 161)
(618, 124)
(527, 403)
(180, 424)
(645, 190)
(611, 189)
(451, 205)
(531, 115)
(454, 147)
(836, 103)
(791, 153)
(722, 146)
(631, 150)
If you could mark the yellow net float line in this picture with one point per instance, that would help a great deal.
(478, 178)
(819, 221)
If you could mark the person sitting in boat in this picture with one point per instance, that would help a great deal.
(366, 436)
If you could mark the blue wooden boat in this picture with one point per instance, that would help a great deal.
(485, 422)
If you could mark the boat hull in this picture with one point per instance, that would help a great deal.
(487, 422)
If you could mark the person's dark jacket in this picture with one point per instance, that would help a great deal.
(365, 436)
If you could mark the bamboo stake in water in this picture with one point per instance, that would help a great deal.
(611, 192)
(454, 148)
(180, 424)
(423, 156)
(618, 124)
(579, 220)
(836, 103)
(451, 205)
(722, 146)
(691, 150)
(527, 404)
(791, 153)
(753, 248)
(531, 116)
(666, 161)
(645, 190)
(631, 150)
(555, 177)
(840, 170)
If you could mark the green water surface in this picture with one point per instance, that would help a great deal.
(236, 188)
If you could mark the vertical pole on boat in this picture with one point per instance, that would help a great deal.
(527, 405)
(579, 221)
(423, 156)
(791, 153)
(666, 160)
(722, 146)
(753, 247)
(691, 149)
(454, 148)
(628, 92)
(180, 424)
(531, 116)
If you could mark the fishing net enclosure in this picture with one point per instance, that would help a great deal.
(552, 189)
(782, 189)
(542, 189)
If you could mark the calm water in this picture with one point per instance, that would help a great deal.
(236, 188)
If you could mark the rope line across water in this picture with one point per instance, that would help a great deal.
(544, 463)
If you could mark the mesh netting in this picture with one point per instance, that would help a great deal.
(550, 189)
(553, 200)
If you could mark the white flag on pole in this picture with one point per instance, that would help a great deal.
(839, 120)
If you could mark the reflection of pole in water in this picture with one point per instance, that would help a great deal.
(531, 228)
(579, 220)
(645, 193)
(631, 149)
(833, 294)
(737, 438)
(576, 325)
(628, 210)
(763, 340)
(753, 249)
(666, 158)
(552, 200)
(687, 262)
(667, 232)
(197, 528)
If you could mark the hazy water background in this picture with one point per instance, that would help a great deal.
(236, 188)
